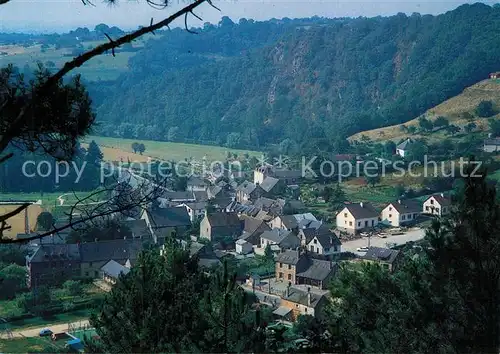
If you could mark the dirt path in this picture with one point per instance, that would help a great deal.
(57, 328)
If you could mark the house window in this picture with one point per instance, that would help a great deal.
(390, 208)
(280, 275)
(281, 265)
(432, 201)
(312, 248)
(373, 222)
(289, 277)
(350, 223)
(306, 309)
(409, 217)
(345, 222)
(366, 223)
(86, 274)
(403, 217)
(96, 273)
(437, 210)
(390, 215)
(315, 241)
(345, 215)
(359, 223)
(317, 249)
(289, 266)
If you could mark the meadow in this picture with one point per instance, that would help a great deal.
(115, 149)
(104, 67)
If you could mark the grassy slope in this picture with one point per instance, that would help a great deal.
(452, 109)
(164, 150)
(104, 67)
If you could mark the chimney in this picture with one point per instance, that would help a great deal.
(399, 201)
(361, 204)
(442, 195)
(308, 296)
(288, 289)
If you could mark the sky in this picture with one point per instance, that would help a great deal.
(64, 15)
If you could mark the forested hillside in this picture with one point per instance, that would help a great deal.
(313, 81)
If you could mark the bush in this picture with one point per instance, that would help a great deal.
(485, 109)
(73, 287)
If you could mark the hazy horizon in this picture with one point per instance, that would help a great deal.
(64, 15)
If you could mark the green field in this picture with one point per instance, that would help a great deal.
(103, 67)
(170, 151)
(49, 200)
(30, 345)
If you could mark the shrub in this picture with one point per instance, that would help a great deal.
(485, 109)
(73, 287)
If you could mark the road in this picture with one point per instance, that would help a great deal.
(35, 332)
(412, 235)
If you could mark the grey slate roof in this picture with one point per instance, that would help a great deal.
(269, 183)
(289, 257)
(300, 297)
(114, 269)
(328, 240)
(407, 206)
(404, 145)
(386, 255)
(441, 199)
(252, 224)
(223, 219)
(55, 251)
(208, 262)
(289, 221)
(139, 228)
(364, 211)
(318, 270)
(214, 191)
(169, 217)
(112, 249)
(172, 195)
(196, 205)
(287, 173)
(276, 235)
(246, 187)
(200, 196)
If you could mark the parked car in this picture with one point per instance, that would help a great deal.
(362, 249)
(45, 332)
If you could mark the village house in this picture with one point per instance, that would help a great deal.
(94, 255)
(220, 225)
(495, 75)
(164, 222)
(300, 268)
(272, 186)
(138, 229)
(52, 264)
(491, 145)
(252, 229)
(298, 302)
(283, 239)
(288, 177)
(243, 247)
(195, 183)
(320, 241)
(170, 198)
(273, 206)
(285, 222)
(388, 258)
(195, 210)
(401, 212)
(438, 205)
(112, 270)
(357, 217)
(248, 191)
(403, 149)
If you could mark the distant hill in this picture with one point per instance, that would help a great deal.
(301, 85)
(453, 109)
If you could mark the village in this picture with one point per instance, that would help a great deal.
(279, 249)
